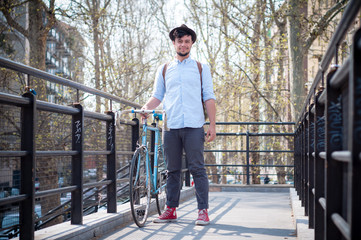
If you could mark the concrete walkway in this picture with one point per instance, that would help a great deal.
(256, 215)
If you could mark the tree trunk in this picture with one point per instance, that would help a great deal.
(224, 155)
(46, 167)
(95, 15)
(298, 58)
(255, 143)
(37, 41)
(282, 83)
(95, 28)
(267, 141)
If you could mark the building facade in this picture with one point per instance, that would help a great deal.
(64, 58)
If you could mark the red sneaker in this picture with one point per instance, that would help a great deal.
(169, 215)
(203, 218)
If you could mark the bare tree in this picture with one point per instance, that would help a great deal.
(305, 28)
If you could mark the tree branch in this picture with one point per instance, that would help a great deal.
(323, 22)
(6, 8)
(50, 13)
(232, 21)
(255, 88)
(11, 121)
(277, 14)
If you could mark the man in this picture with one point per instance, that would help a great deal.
(266, 180)
(182, 88)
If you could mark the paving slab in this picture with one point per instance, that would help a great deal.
(98, 224)
(234, 215)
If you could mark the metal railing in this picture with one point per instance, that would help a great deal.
(248, 150)
(29, 107)
(328, 144)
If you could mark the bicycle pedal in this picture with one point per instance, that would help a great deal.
(164, 175)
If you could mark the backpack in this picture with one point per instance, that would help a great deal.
(199, 65)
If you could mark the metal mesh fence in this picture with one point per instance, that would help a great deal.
(9, 168)
(53, 132)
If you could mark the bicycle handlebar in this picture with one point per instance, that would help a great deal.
(141, 111)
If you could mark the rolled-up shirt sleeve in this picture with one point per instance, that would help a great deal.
(207, 84)
(159, 88)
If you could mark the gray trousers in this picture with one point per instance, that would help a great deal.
(192, 141)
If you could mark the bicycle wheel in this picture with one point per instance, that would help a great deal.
(161, 182)
(139, 187)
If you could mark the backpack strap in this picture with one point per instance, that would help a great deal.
(199, 65)
(164, 70)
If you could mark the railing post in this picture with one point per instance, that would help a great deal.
(247, 157)
(77, 166)
(28, 122)
(302, 165)
(354, 130)
(305, 165)
(111, 166)
(299, 161)
(295, 148)
(334, 170)
(135, 133)
(187, 175)
(311, 147)
(319, 171)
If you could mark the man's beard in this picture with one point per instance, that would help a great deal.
(182, 54)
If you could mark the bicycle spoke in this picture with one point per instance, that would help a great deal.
(161, 182)
(139, 189)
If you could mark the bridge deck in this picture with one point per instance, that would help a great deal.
(234, 215)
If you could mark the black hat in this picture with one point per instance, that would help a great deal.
(186, 29)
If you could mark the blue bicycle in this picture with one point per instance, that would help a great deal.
(147, 178)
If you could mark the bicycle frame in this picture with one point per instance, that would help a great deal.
(154, 173)
(144, 144)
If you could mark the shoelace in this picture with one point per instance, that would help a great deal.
(167, 213)
(202, 215)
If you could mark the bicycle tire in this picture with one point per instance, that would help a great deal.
(139, 190)
(161, 181)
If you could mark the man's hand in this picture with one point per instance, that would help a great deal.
(211, 110)
(211, 133)
(150, 105)
(144, 115)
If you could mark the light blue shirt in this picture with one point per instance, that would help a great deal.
(182, 92)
